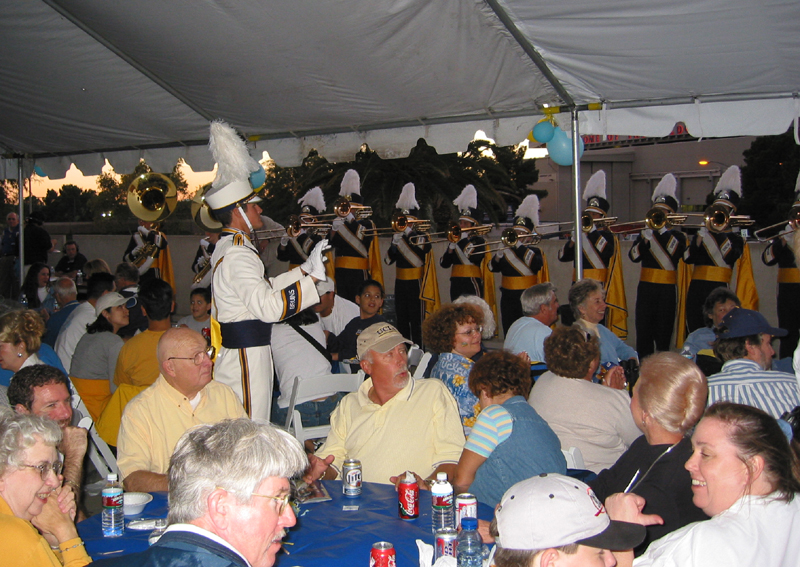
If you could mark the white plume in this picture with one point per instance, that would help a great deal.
(596, 186)
(731, 180)
(351, 183)
(468, 199)
(666, 187)
(234, 162)
(529, 208)
(408, 198)
(313, 198)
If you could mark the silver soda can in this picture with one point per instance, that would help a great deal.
(351, 478)
(445, 543)
(466, 507)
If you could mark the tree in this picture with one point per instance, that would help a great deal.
(69, 204)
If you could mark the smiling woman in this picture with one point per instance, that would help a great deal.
(31, 496)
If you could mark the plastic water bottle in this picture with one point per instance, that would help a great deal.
(442, 512)
(687, 353)
(113, 514)
(23, 300)
(469, 551)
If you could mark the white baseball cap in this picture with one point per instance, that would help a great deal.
(112, 299)
(553, 510)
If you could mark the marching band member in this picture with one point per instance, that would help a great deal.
(466, 255)
(520, 265)
(410, 259)
(245, 303)
(202, 259)
(352, 239)
(295, 249)
(155, 266)
(659, 253)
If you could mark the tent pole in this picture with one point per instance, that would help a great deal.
(576, 190)
(21, 202)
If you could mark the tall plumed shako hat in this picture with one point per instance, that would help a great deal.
(729, 187)
(407, 202)
(231, 187)
(351, 187)
(527, 215)
(467, 203)
(312, 203)
(595, 194)
(664, 193)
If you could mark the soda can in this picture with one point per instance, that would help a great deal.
(351, 478)
(466, 507)
(408, 499)
(445, 543)
(382, 555)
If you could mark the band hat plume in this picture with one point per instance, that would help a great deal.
(351, 186)
(664, 194)
(729, 186)
(231, 186)
(594, 193)
(313, 202)
(527, 214)
(467, 203)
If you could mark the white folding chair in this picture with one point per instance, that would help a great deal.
(306, 389)
(422, 366)
(574, 458)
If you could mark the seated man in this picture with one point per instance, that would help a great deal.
(551, 520)
(393, 423)
(137, 364)
(334, 311)
(539, 310)
(43, 390)
(744, 344)
(369, 300)
(71, 262)
(229, 498)
(67, 297)
(183, 396)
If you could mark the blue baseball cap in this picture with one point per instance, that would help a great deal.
(745, 323)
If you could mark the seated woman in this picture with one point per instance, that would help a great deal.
(587, 300)
(667, 402)
(37, 291)
(509, 441)
(32, 498)
(20, 339)
(746, 476)
(96, 353)
(200, 304)
(595, 418)
(454, 331)
(699, 345)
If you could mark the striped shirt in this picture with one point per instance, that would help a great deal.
(493, 426)
(743, 381)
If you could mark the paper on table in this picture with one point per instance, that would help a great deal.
(426, 556)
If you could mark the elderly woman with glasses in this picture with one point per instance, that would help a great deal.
(31, 497)
(455, 332)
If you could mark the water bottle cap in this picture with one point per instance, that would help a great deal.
(112, 477)
(469, 523)
(442, 476)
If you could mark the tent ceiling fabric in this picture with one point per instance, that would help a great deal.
(87, 80)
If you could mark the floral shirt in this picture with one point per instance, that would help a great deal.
(453, 369)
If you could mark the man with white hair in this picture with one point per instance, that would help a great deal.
(393, 423)
(540, 310)
(229, 498)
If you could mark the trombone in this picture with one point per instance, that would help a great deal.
(793, 222)
(508, 239)
(453, 234)
(399, 223)
(718, 218)
(587, 222)
(655, 219)
(343, 207)
(295, 225)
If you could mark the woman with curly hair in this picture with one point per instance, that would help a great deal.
(20, 338)
(592, 417)
(509, 441)
(454, 331)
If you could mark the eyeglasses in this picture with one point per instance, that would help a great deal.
(476, 331)
(199, 357)
(45, 468)
(283, 501)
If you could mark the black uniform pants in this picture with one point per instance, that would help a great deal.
(655, 317)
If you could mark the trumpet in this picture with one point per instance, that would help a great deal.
(793, 222)
(400, 222)
(343, 207)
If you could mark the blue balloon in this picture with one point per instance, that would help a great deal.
(258, 178)
(560, 148)
(543, 132)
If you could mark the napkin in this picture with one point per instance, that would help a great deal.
(426, 556)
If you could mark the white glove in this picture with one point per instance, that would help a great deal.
(315, 265)
(144, 231)
(284, 241)
(451, 246)
(407, 231)
(337, 224)
(136, 250)
(647, 234)
(499, 254)
(397, 237)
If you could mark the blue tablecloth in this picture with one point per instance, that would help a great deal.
(325, 534)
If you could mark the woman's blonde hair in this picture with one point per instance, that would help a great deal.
(25, 326)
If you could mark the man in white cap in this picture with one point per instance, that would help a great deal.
(393, 423)
(659, 249)
(554, 520)
(245, 303)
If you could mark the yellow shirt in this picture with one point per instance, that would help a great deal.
(137, 363)
(22, 546)
(417, 430)
(154, 420)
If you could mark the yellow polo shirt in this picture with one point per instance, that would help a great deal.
(154, 420)
(417, 430)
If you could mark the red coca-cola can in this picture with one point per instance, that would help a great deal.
(466, 507)
(408, 499)
(382, 555)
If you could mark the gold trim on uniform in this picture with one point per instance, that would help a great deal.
(408, 273)
(518, 282)
(788, 275)
(712, 274)
(465, 271)
(653, 275)
(351, 263)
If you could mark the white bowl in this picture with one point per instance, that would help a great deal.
(134, 502)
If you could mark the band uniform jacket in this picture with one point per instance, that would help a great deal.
(465, 260)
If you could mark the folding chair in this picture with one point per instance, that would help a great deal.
(99, 452)
(574, 458)
(312, 389)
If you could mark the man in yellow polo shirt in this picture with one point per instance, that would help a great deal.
(393, 423)
(182, 396)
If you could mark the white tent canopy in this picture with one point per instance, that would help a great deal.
(87, 80)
